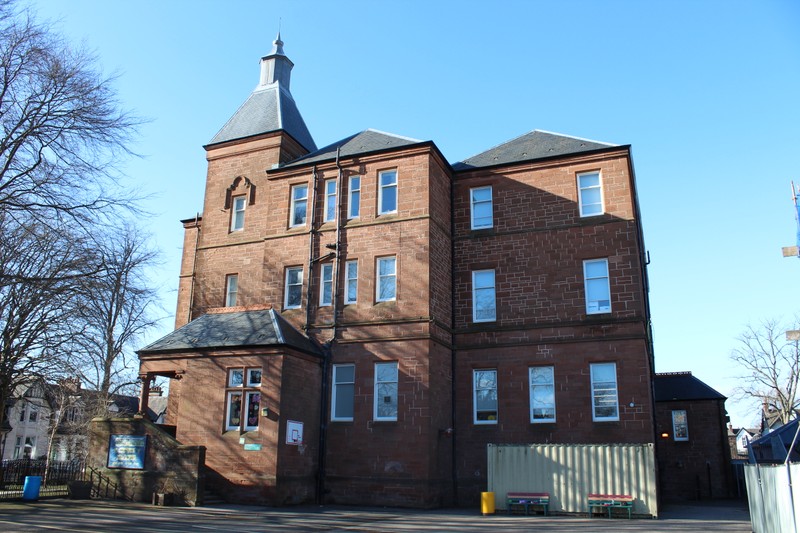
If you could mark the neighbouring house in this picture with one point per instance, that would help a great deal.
(694, 459)
(356, 323)
(35, 407)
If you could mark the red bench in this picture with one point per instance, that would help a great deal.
(610, 502)
(527, 500)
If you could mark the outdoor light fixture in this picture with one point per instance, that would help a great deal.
(265, 411)
(665, 435)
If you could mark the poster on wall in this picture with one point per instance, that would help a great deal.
(127, 451)
(294, 432)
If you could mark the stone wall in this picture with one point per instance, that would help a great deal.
(169, 467)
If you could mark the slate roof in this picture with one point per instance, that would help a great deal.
(683, 386)
(537, 144)
(239, 329)
(265, 110)
(364, 142)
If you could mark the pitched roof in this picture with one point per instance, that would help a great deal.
(239, 329)
(536, 144)
(364, 142)
(270, 107)
(682, 386)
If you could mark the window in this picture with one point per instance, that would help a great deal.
(33, 412)
(299, 205)
(237, 213)
(243, 399)
(387, 279)
(354, 203)
(231, 289)
(481, 207)
(598, 292)
(484, 307)
(294, 288)
(387, 192)
(386, 391)
(18, 448)
(329, 213)
(343, 393)
(604, 392)
(29, 450)
(484, 391)
(590, 194)
(543, 399)
(351, 281)
(326, 284)
(680, 425)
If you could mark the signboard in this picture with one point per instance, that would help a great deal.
(127, 451)
(294, 432)
(252, 447)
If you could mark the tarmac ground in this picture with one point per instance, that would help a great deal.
(117, 516)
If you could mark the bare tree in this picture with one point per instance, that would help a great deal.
(118, 307)
(770, 365)
(63, 136)
(63, 131)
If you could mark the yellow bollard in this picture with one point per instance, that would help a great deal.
(487, 503)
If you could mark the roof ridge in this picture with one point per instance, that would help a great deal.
(392, 135)
(576, 138)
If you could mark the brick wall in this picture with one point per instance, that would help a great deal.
(699, 468)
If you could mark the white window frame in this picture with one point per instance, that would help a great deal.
(478, 290)
(379, 277)
(588, 209)
(294, 202)
(229, 406)
(244, 382)
(287, 286)
(238, 206)
(338, 385)
(475, 391)
(676, 423)
(351, 280)
(382, 189)
(329, 211)
(473, 203)
(231, 290)
(326, 282)
(595, 384)
(545, 385)
(593, 306)
(354, 192)
(382, 383)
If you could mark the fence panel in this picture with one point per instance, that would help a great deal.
(571, 472)
(14, 472)
(769, 494)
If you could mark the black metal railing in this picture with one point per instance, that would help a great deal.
(53, 484)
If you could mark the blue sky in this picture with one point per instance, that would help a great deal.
(705, 92)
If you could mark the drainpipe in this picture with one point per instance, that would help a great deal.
(328, 346)
(453, 460)
(312, 206)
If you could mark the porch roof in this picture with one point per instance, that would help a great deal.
(238, 329)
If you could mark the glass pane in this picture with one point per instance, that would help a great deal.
(482, 214)
(345, 374)
(295, 296)
(542, 375)
(386, 266)
(486, 400)
(254, 377)
(480, 195)
(485, 304)
(236, 378)
(253, 403)
(484, 279)
(355, 204)
(330, 209)
(344, 401)
(330, 187)
(299, 214)
(295, 276)
(590, 197)
(386, 372)
(234, 409)
(604, 372)
(596, 269)
(327, 292)
(355, 183)
(300, 192)
(388, 178)
(485, 379)
(387, 400)
(352, 290)
(590, 180)
(352, 270)
(386, 291)
(388, 199)
(597, 289)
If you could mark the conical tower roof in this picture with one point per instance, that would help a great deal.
(270, 106)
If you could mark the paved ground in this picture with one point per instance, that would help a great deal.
(113, 516)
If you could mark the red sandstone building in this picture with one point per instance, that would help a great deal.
(357, 322)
